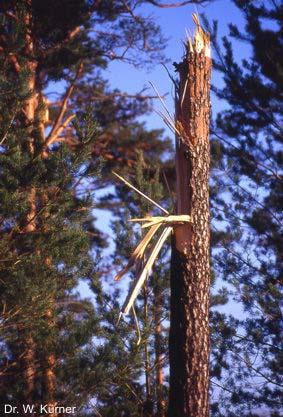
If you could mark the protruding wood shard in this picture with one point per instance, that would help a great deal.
(143, 266)
(190, 269)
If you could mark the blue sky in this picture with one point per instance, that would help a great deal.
(174, 23)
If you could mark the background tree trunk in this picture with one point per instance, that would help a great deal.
(147, 408)
(29, 368)
(49, 376)
(158, 352)
(29, 357)
(190, 268)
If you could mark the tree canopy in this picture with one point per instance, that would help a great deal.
(57, 151)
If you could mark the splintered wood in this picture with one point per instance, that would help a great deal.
(138, 259)
(190, 267)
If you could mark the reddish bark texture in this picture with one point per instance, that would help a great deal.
(29, 357)
(190, 268)
(30, 360)
(49, 376)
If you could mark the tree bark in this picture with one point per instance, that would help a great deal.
(190, 268)
(49, 375)
(29, 357)
(49, 357)
(30, 366)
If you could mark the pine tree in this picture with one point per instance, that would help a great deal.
(246, 202)
(44, 216)
(142, 389)
(47, 179)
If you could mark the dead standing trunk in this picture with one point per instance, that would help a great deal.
(190, 268)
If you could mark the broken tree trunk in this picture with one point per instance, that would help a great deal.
(190, 268)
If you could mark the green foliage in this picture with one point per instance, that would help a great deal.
(246, 201)
(99, 364)
(137, 389)
(40, 270)
(52, 188)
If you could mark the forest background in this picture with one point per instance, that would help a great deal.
(64, 217)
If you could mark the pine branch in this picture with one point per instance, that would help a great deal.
(71, 35)
(58, 126)
(249, 157)
(14, 60)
